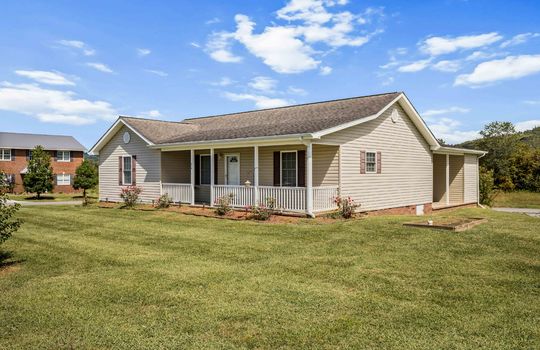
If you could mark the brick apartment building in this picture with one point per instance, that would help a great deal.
(16, 149)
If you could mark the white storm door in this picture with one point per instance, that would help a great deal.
(232, 169)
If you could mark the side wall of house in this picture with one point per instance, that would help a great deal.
(456, 179)
(406, 176)
(175, 167)
(471, 179)
(148, 171)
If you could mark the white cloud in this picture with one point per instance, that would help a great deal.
(143, 52)
(225, 81)
(325, 70)
(264, 84)
(435, 46)
(79, 45)
(511, 67)
(45, 77)
(519, 39)
(289, 48)
(194, 44)
(154, 113)
(157, 72)
(219, 48)
(53, 106)
(527, 124)
(415, 66)
(296, 91)
(447, 66)
(212, 21)
(447, 129)
(261, 102)
(481, 55)
(100, 67)
(454, 109)
(532, 102)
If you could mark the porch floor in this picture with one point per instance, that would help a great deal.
(443, 205)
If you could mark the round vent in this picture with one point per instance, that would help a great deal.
(394, 116)
(126, 137)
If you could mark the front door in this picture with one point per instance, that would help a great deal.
(232, 169)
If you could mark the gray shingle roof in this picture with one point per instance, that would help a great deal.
(49, 142)
(299, 119)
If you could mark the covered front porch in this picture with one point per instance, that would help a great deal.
(299, 178)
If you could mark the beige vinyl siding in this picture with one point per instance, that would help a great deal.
(456, 179)
(266, 162)
(325, 165)
(471, 179)
(175, 167)
(407, 174)
(439, 178)
(148, 167)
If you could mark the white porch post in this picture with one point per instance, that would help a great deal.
(340, 168)
(192, 170)
(256, 175)
(447, 179)
(212, 176)
(309, 180)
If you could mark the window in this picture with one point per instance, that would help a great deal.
(205, 169)
(29, 153)
(9, 179)
(371, 162)
(288, 169)
(63, 156)
(5, 154)
(63, 179)
(126, 171)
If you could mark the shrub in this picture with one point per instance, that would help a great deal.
(263, 211)
(130, 195)
(223, 204)
(8, 225)
(346, 207)
(86, 178)
(163, 201)
(487, 186)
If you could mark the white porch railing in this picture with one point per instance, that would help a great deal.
(286, 198)
(323, 198)
(242, 196)
(177, 192)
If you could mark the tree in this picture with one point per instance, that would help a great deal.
(86, 177)
(8, 225)
(39, 178)
(500, 140)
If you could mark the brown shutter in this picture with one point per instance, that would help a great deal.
(134, 170)
(362, 162)
(215, 169)
(120, 165)
(301, 181)
(197, 169)
(277, 169)
(13, 154)
(70, 156)
(55, 156)
(379, 168)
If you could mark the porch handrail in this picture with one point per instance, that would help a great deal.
(179, 192)
(241, 196)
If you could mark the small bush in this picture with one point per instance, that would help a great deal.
(487, 187)
(164, 201)
(263, 212)
(130, 196)
(223, 204)
(346, 207)
(8, 224)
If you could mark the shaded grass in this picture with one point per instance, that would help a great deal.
(519, 199)
(61, 197)
(109, 278)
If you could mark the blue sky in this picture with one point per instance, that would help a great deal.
(72, 67)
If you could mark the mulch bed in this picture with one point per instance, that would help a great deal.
(239, 215)
(451, 224)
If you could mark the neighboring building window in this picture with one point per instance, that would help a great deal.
(5, 154)
(63, 156)
(63, 179)
(29, 154)
(126, 171)
(205, 170)
(288, 169)
(371, 162)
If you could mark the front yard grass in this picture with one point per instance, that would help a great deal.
(90, 278)
(57, 197)
(519, 199)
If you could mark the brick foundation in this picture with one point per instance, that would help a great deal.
(407, 210)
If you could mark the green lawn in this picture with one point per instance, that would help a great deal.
(53, 196)
(520, 199)
(109, 278)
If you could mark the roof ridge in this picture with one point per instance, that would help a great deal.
(290, 106)
(34, 134)
(153, 120)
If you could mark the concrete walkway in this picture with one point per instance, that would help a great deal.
(39, 203)
(531, 212)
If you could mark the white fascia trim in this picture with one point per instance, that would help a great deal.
(232, 143)
(458, 151)
(112, 130)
